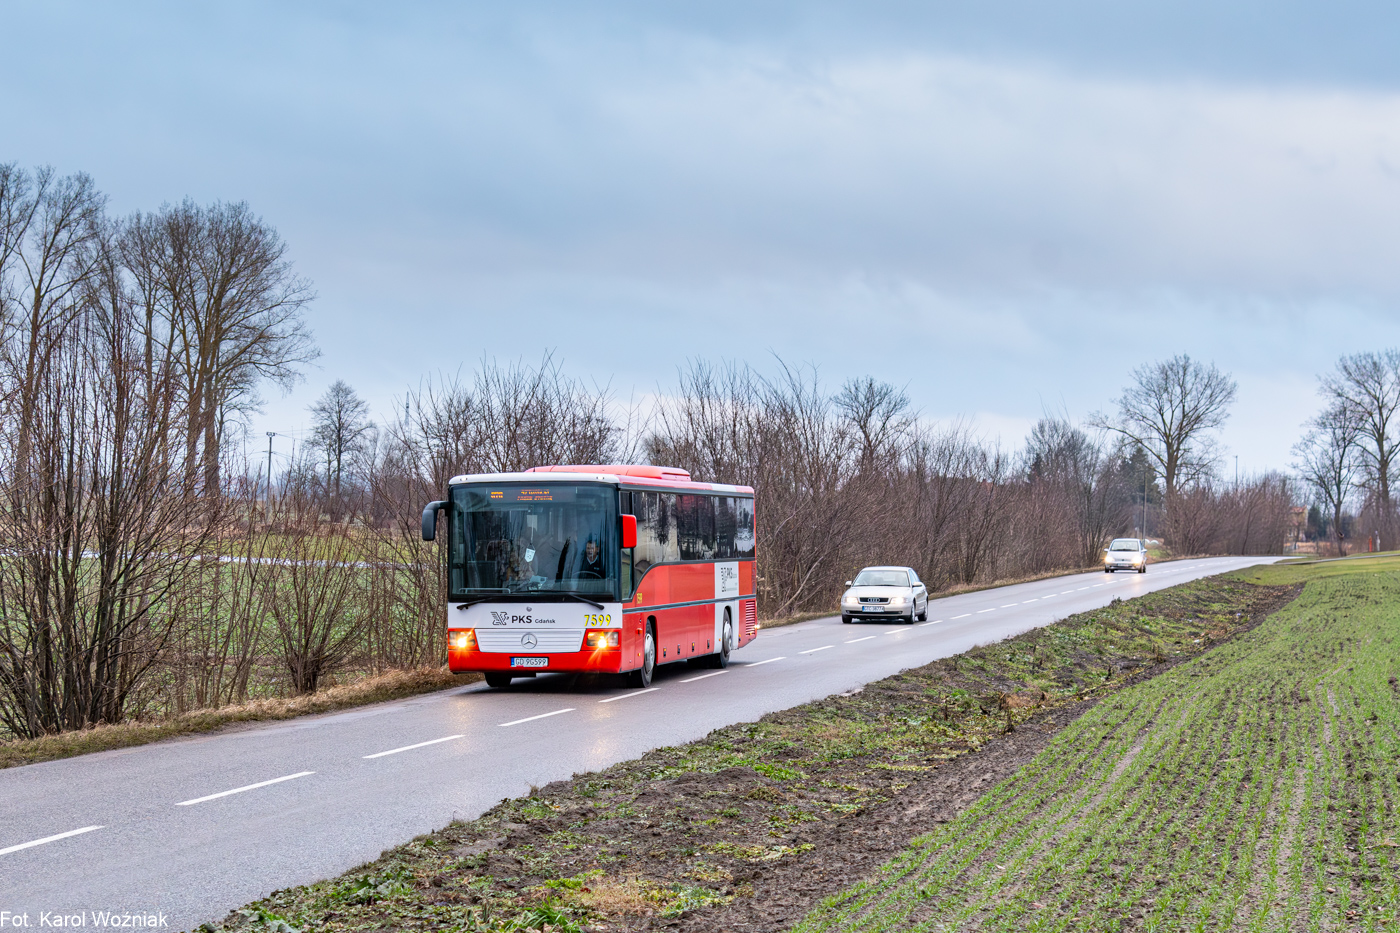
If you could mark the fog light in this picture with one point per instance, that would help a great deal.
(601, 640)
(462, 639)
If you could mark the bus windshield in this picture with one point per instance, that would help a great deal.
(548, 538)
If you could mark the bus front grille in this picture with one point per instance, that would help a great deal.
(514, 641)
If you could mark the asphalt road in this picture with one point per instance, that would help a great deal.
(196, 827)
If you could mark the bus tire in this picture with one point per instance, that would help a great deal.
(497, 679)
(720, 658)
(641, 677)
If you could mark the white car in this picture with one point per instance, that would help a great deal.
(1125, 554)
(885, 593)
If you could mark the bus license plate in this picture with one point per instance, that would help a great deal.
(529, 662)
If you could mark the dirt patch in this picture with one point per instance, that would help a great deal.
(854, 847)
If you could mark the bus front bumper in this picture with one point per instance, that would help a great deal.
(590, 660)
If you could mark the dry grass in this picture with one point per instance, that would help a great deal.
(391, 686)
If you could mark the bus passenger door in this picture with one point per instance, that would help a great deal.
(727, 598)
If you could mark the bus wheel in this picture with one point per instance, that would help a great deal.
(720, 658)
(642, 676)
(497, 679)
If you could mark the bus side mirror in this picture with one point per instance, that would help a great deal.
(430, 512)
(629, 531)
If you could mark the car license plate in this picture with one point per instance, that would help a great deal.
(529, 662)
(872, 608)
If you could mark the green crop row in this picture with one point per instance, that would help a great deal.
(1254, 788)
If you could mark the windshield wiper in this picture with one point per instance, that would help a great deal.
(473, 600)
(583, 599)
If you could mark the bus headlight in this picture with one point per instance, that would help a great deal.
(601, 640)
(462, 639)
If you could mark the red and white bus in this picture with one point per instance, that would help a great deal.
(595, 568)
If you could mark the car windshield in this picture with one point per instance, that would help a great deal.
(1124, 544)
(508, 539)
(882, 578)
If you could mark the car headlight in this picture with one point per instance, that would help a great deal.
(849, 600)
(896, 600)
(1137, 558)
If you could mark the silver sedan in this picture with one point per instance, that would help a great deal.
(1125, 554)
(883, 593)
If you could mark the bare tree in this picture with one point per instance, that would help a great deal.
(102, 518)
(232, 305)
(316, 595)
(1094, 496)
(1168, 410)
(341, 431)
(51, 227)
(1329, 461)
(881, 417)
(1365, 390)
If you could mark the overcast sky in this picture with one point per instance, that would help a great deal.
(1005, 206)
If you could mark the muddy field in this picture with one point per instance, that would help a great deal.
(752, 827)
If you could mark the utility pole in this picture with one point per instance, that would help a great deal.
(267, 501)
(1146, 478)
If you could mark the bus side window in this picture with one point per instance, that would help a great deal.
(696, 520)
(726, 522)
(625, 567)
(656, 531)
(744, 530)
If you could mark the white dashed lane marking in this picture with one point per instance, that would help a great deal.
(47, 839)
(246, 787)
(409, 748)
(516, 722)
(691, 680)
(637, 693)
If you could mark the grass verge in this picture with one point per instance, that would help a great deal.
(1254, 788)
(393, 685)
(752, 825)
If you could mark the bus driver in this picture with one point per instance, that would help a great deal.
(592, 566)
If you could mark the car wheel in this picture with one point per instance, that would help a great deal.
(641, 677)
(497, 679)
(845, 619)
(1142, 569)
(1108, 570)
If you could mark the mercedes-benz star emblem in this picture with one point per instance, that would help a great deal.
(529, 640)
